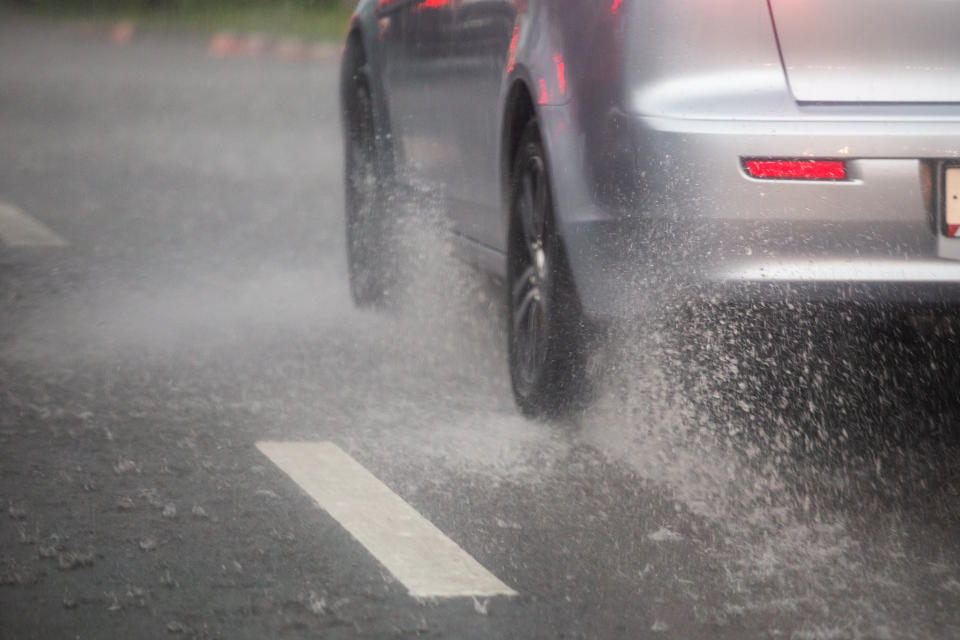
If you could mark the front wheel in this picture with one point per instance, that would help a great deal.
(366, 184)
(545, 330)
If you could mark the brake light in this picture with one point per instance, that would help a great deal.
(432, 4)
(796, 169)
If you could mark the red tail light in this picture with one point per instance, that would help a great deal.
(796, 169)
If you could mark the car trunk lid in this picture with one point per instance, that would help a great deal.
(870, 50)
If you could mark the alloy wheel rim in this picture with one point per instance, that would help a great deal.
(530, 287)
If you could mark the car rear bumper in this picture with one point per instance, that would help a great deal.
(620, 269)
(693, 223)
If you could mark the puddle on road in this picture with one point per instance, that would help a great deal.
(787, 553)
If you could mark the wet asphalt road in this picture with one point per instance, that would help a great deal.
(200, 306)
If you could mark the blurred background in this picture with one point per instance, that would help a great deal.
(314, 19)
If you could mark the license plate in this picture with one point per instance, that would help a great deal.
(951, 199)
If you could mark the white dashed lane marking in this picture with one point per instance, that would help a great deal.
(418, 554)
(17, 229)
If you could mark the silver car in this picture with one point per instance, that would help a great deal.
(600, 154)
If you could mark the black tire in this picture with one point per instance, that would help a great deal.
(367, 180)
(545, 323)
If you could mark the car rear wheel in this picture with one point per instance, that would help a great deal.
(366, 183)
(545, 347)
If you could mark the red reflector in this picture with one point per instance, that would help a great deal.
(797, 169)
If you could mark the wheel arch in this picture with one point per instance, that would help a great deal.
(519, 108)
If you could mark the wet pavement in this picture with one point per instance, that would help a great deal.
(198, 305)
